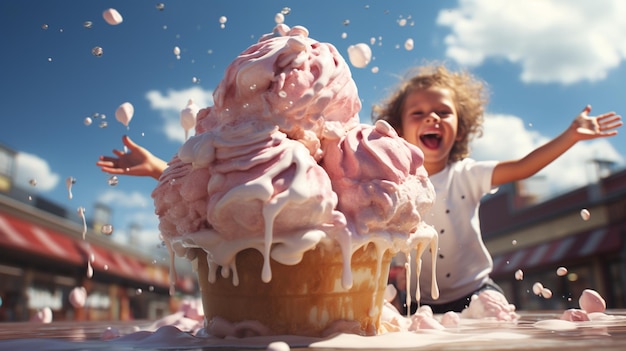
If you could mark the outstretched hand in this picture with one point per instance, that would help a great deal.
(590, 127)
(137, 161)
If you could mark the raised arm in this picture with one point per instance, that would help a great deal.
(584, 127)
(138, 161)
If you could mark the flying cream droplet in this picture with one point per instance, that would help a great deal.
(584, 214)
(112, 17)
(188, 117)
(537, 288)
(561, 271)
(546, 293)
(97, 51)
(106, 229)
(408, 44)
(360, 55)
(519, 274)
(279, 18)
(81, 214)
(69, 181)
(78, 297)
(124, 113)
(89, 270)
(113, 180)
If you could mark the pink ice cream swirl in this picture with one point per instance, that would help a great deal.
(265, 192)
(180, 207)
(292, 81)
(382, 188)
(379, 179)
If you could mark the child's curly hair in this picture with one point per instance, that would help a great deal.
(469, 93)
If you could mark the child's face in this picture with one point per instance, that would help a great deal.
(429, 121)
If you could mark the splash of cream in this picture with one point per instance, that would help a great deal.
(69, 181)
(81, 213)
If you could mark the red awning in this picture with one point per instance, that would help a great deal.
(118, 264)
(29, 238)
(560, 250)
(21, 235)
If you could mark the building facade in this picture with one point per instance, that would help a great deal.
(44, 255)
(583, 231)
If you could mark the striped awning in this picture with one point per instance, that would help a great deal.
(593, 242)
(27, 238)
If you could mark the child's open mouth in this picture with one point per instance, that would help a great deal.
(431, 140)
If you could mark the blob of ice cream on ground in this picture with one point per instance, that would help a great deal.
(289, 208)
(190, 317)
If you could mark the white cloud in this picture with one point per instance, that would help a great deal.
(506, 137)
(553, 40)
(124, 199)
(146, 235)
(29, 167)
(170, 105)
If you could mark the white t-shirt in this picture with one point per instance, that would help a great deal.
(463, 262)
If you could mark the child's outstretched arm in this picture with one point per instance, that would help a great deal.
(584, 127)
(138, 161)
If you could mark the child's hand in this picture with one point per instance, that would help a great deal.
(587, 127)
(137, 161)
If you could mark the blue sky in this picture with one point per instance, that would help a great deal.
(544, 60)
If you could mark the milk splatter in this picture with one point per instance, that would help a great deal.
(69, 182)
(81, 213)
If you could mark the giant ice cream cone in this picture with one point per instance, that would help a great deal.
(291, 209)
(303, 299)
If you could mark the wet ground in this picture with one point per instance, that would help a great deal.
(534, 331)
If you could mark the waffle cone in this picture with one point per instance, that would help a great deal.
(303, 299)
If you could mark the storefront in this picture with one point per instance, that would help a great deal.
(583, 231)
(42, 259)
